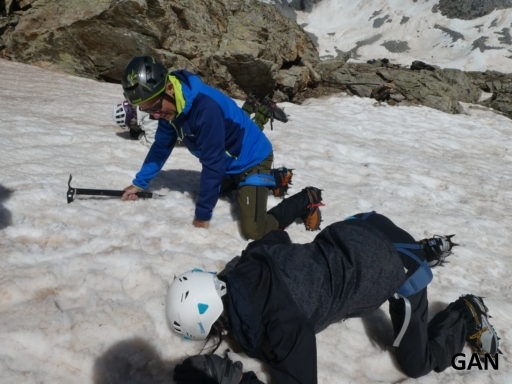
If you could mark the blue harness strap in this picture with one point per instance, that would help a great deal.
(259, 180)
(420, 278)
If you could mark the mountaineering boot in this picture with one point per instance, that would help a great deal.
(437, 249)
(283, 177)
(313, 215)
(481, 335)
(303, 205)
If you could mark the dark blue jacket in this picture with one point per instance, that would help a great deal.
(281, 294)
(215, 130)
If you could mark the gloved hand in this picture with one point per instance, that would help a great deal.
(208, 369)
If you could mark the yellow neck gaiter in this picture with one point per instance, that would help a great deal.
(178, 93)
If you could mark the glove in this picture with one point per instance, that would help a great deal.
(208, 369)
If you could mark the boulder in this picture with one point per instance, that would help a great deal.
(470, 9)
(240, 46)
(424, 84)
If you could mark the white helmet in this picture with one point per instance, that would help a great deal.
(194, 303)
(123, 113)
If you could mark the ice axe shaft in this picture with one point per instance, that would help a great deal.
(72, 192)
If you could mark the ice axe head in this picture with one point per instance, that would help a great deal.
(71, 191)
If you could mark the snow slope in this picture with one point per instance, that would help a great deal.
(407, 30)
(82, 285)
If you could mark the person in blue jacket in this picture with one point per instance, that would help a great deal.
(218, 132)
(274, 298)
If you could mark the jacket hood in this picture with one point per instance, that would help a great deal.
(185, 89)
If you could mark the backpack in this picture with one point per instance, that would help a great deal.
(264, 110)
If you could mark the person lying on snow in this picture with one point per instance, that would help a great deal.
(277, 295)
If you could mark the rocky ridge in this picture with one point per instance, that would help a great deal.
(240, 46)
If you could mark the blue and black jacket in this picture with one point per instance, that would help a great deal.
(280, 294)
(214, 129)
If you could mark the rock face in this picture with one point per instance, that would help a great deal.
(240, 46)
(471, 9)
(421, 83)
(237, 45)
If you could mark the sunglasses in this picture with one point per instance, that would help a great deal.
(156, 107)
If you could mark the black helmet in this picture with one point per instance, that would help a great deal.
(143, 78)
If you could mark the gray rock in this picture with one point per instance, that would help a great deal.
(471, 9)
(242, 47)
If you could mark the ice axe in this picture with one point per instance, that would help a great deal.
(72, 192)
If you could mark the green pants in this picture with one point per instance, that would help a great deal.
(252, 201)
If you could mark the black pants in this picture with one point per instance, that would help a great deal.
(426, 346)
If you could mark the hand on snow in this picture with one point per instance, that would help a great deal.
(200, 223)
(130, 193)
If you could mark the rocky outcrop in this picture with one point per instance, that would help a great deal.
(499, 86)
(239, 46)
(420, 83)
(470, 9)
